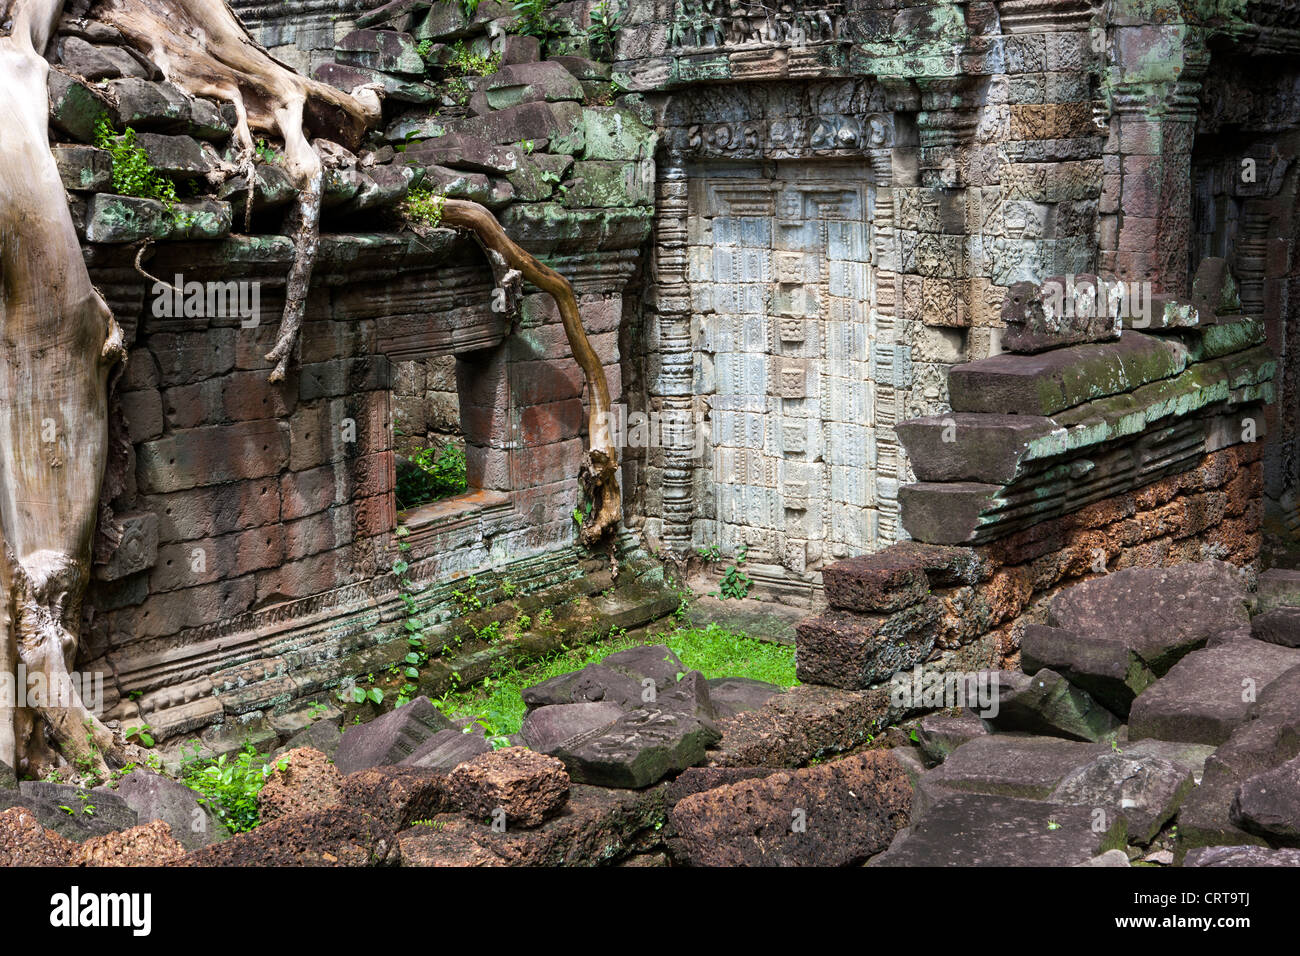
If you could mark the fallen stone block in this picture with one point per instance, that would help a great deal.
(853, 651)
(1278, 626)
(638, 749)
(1268, 804)
(549, 727)
(155, 797)
(1025, 767)
(1241, 856)
(390, 738)
(1145, 790)
(396, 796)
(977, 829)
(939, 735)
(1181, 608)
(446, 749)
(595, 827)
(1048, 704)
(70, 811)
(337, 836)
(323, 735)
(1209, 693)
(1111, 858)
(1062, 310)
(834, 814)
(733, 695)
(84, 168)
(150, 844)
(1109, 670)
(522, 786)
(24, 841)
(624, 678)
(302, 779)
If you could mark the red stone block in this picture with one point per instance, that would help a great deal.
(248, 395)
(212, 454)
(543, 464)
(143, 413)
(208, 512)
(206, 560)
(554, 421)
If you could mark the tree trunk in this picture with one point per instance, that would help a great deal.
(60, 341)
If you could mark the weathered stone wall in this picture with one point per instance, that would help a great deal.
(965, 608)
(992, 143)
(248, 529)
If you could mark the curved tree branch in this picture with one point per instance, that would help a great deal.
(599, 474)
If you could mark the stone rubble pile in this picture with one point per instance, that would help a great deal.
(1160, 720)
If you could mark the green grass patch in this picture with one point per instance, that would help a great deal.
(498, 704)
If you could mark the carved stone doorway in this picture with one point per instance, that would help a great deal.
(783, 291)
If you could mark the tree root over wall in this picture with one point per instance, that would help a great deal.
(61, 341)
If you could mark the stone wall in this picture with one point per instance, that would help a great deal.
(990, 143)
(248, 529)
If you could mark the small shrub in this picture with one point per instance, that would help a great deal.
(229, 787)
(533, 21)
(133, 174)
(428, 476)
(424, 206)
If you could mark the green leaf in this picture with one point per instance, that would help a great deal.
(376, 695)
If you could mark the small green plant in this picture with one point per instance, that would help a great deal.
(605, 24)
(266, 153)
(734, 582)
(466, 62)
(509, 588)
(467, 599)
(545, 617)
(430, 475)
(711, 554)
(140, 735)
(424, 206)
(229, 786)
(527, 146)
(533, 19)
(133, 174)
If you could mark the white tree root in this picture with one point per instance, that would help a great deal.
(60, 343)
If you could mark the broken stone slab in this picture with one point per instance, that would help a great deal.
(383, 186)
(84, 168)
(155, 797)
(698, 779)
(69, 811)
(446, 749)
(337, 836)
(640, 748)
(853, 651)
(1180, 609)
(396, 796)
(938, 735)
(458, 184)
(396, 88)
(549, 727)
(1025, 767)
(1268, 804)
(835, 814)
(385, 50)
(1241, 856)
(1111, 672)
(582, 68)
(733, 695)
(560, 124)
(977, 829)
(1143, 789)
(1051, 382)
(596, 826)
(1062, 310)
(390, 738)
(529, 83)
(1279, 626)
(517, 49)
(1256, 747)
(1049, 705)
(623, 678)
(1209, 693)
(522, 786)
